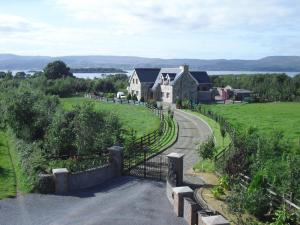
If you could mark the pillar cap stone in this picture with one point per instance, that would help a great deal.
(215, 220)
(175, 155)
(60, 170)
(183, 189)
(115, 148)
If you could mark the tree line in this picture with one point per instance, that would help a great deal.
(57, 79)
(265, 87)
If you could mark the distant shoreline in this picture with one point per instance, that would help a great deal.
(97, 70)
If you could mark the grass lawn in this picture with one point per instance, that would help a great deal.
(138, 118)
(266, 117)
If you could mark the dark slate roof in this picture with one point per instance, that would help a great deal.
(200, 76)
(147, 74)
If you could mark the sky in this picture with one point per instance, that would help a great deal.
(204, 29)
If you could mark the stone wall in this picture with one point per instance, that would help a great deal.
(90, 178)
(66, 181)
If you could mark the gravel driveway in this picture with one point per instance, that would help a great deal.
(192, 132)
(123, 201)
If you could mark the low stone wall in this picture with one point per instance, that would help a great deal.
(66, 181)
(90, 178)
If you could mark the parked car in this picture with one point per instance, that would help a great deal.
(121, 95)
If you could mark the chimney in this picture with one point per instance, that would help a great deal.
(184, 68)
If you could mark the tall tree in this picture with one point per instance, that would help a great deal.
(56, 70)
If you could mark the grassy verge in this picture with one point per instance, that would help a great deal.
(138, 118)
(12, 178)
(23, 185)
(204, 166)
(168, 137)
(166, 140)
(8, 184)
(220, 142)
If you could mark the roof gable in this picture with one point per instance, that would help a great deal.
(147, 74)
(200, 76)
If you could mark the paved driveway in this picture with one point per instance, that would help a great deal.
(123, 201)
(192, 132)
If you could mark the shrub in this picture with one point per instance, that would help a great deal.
(217, 192)
(186, 104)
(236, 199)
(207, 149)
(29, 113)
(224, 182)
(82, 131)
(129, 97)
(109, 95)
(257, 202)
(283, 217)
(45, 183)
(152, 103)
(142, 99)
(178, 103)
(134, 98)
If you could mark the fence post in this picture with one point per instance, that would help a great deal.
(145, 161)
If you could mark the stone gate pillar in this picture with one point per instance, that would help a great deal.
(116, 156)
(61, 180)
(175, 173)
(175, 170)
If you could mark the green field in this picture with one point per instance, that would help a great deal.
(266, 117)
(138, 118)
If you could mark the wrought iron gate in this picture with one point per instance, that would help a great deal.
(138, 164)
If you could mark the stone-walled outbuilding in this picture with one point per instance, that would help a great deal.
(169, 84)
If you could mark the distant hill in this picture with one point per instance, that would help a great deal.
(271, 63)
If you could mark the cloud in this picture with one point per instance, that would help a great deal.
(183, 15)
(13, 24)
(155, 28)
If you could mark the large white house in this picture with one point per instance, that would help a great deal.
(169, 84)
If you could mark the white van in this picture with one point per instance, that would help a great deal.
(121, 95)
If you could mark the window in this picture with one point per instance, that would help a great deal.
(133, 81)
(168, 94)
(137, 81)
(162, 94)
